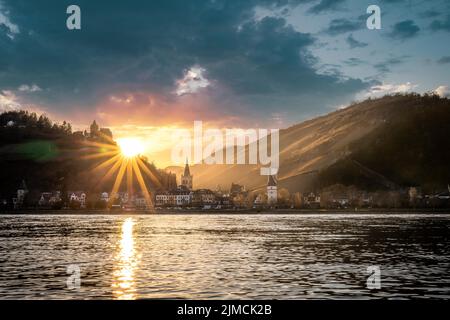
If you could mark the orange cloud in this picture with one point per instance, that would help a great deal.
(150, 109)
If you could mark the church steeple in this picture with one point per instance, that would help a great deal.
(186, 168)
(271, 182)
(186, 178)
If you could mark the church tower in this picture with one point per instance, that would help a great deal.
(272, 192)
(186, 178)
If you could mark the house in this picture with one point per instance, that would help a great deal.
(312, 200)
(22, 191)
(223, 200)
(259, 201)
(236, 189)
(342, 201)
(203, 197)
(182, 197)
(104, 196)
(178, 197)
(77, 196)
(118, 198)
(140, 202)
(162, 198)
(49, 198)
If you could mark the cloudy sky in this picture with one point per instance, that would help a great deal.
(253, 63)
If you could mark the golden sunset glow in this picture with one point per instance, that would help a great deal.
(123, 160)
(123, 285)
(131, 147)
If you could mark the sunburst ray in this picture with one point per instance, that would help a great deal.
(119, 177)
(118, 164)
(109, 173)
(100, 155)
(107, 163)
(150, 174)
(141, 182)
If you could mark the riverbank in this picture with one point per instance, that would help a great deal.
(228, 212)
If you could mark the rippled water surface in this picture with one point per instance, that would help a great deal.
(224, 256)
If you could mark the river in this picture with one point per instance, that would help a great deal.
(298, 256)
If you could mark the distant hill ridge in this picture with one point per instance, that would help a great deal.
(386, 143)
(378, 144)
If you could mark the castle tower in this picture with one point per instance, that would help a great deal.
(186, 178)
(94, 129)
(272, 192)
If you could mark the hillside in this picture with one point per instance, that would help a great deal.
(387, 143)
(384, 143)
(49, 157)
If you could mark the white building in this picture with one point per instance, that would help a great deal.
(272, 190)
(78, 196)
(104, 196)
(178, 197)
(21, 193)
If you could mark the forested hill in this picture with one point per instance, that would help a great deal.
(49, 157)
(410, 148)
(387, 143)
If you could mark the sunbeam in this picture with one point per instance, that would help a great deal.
(122, 162)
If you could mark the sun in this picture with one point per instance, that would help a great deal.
(130, 147)
(123, 159)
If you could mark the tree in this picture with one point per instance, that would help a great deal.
(283, 196)
(44, 122)
(298, 200)
(250, 199)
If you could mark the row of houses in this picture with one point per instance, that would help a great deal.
(340, 196)
(78, 200)
(337, 196)
(184, 197)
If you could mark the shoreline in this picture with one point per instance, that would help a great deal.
(226, 212)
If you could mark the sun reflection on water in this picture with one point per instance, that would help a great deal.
(124, 286)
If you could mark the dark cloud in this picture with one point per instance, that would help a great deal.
(444, 60)
(137, 46)
(386, 66)
(429, 14)
(441, 25)
(353, 43)
(353, 62)
(326, 5)
(342, 25)
(404, 30)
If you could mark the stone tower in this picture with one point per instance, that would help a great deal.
(272, 192)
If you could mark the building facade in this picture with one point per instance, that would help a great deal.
(203, 197)
(179, 197)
